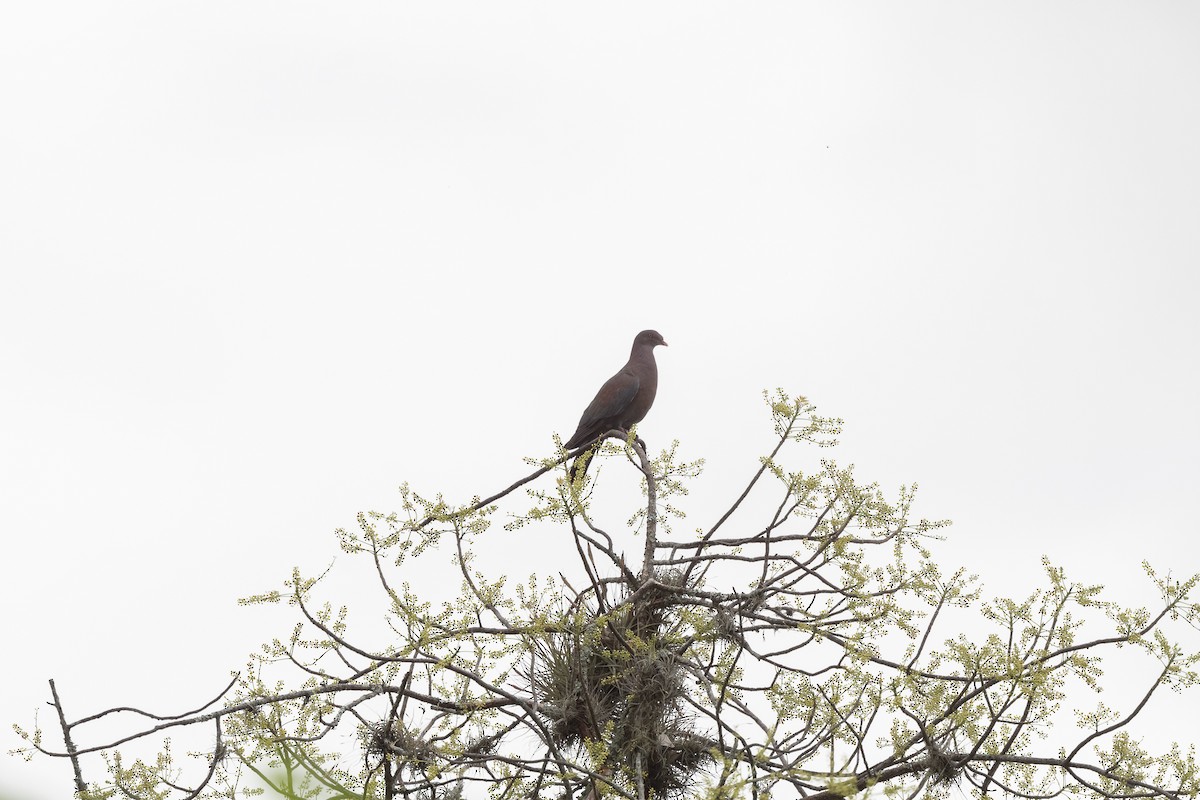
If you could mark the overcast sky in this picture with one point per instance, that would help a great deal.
(262, 262)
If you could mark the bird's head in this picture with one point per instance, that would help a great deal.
(650, 339)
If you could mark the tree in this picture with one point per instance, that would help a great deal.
(788, 650)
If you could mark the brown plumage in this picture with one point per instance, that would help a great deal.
(625, 398)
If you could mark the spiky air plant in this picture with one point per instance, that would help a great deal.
(611, 676)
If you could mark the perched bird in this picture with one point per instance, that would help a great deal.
(625, 398)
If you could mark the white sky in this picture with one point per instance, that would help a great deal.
(264, 261)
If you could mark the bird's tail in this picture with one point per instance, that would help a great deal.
(579, 466)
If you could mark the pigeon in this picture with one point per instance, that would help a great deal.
(625, 398)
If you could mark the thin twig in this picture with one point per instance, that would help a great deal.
(80, 786)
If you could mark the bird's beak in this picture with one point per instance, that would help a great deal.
(664, 342)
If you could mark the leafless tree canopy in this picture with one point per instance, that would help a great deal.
(799, 646)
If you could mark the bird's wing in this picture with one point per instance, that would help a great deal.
(614, 397)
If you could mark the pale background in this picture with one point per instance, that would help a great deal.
(264, 261)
